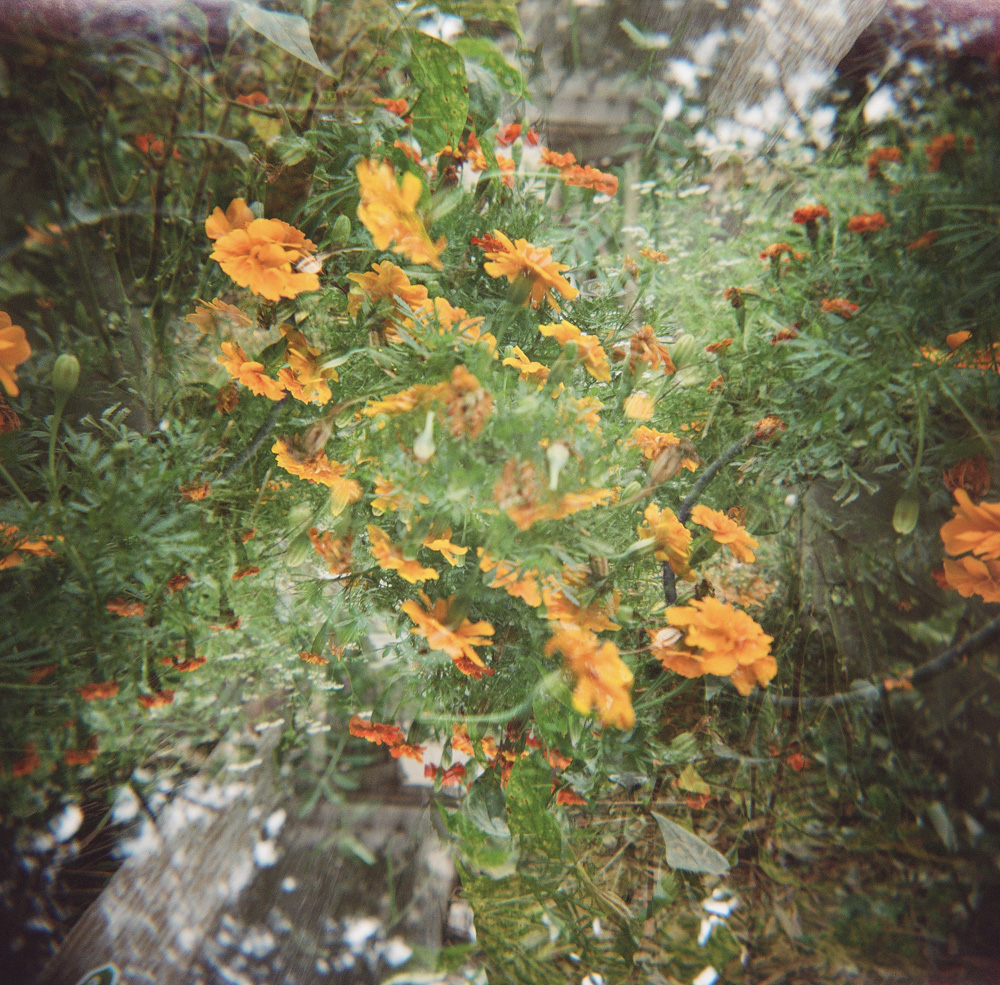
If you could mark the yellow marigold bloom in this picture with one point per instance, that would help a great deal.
(518, 493)
(389, 213)
(591, 354)
(459, 642)
(14, 349)
(603, 681)
(588, 412)
(250, 374)
(457, 321)
(406, 400)
(443, 545)
(387, 282)
(536, 372)
(303, 377)
(389, 497)
(732, 643)
(974, 528)
(262, 256)
(210, 315)
(969, 576)
(673, 539)
(726, 531)
(238, 216)
(561, 609)
(467, 404)
(520, 583)
(390, 558)
(639, 406)
(654, 443)
(12, 546)
(521, 259)
(320, 469)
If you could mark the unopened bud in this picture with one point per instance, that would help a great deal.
(299, 550)
(341, 231)
(519, 291)
(424, 447)
(558, 455)
(65, 373)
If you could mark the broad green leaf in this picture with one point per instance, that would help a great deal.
(439, 112)
(288, 31)
(237, 148)
(690, 781)
(486, 806)
(687, 851)
(499, 11)
(489, 55)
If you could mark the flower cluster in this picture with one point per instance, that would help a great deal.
(975, 528)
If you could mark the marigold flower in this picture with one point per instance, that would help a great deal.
(246, 572)
(839, 306)
(775, 251)
(336, 552)
(178, 582)
(84, 756)
(237, 216)
(98, 691)
(14, 350)
(725, 531)
(460, 741)
(561, 609)
(28, 763)
(646, 346)
(654, 443)
(734, 295)
(159, 700)
(718, 348)
(603, 681)
(874, 160)
(262, 257)
(313, 658)
(867, 222)
(377, 732)
(590, 352)
(458, 642)
(936, 150)
(403, 750)
(452, 776)
(639, 406)
(388, 282)
(587, 177)
(970, 576)
(467, 404)
(253, 99)
(924, 241)
(319, 469)
(121, 607)
(488, 243)
(785, 334)
(399, 107)
(970, 474)
(249, 373)
(226, 398)
(38, 674)
(810, 213)
(13, 547)
(731, 643)
(521, 259)
(196, 492)
(536, 372)
(518, 493)
(568, 798)
(191, 664)
(443, 545)
(9, 421)
(656, 256)
(554, 160)
(390, 558)
(388, 211)
(509, 134)
(672, 539)
(520, 583)
(974, 528)
(303, 377)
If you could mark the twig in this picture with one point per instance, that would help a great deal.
(266, 427)
(925, 672)
(684, 513)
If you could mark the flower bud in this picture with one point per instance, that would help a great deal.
(685, 350)
(299, 514)
(65, 373)
(299, 550)
(424, 447)
(906, 513)
(341, 231)
(558, 455)
(519, 291)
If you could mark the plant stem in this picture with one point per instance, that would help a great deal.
(17, 489)
(54, 423)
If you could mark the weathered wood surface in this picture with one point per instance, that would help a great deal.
(229, 885)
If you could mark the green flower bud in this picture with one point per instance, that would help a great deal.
(906, 513)
(685, 350)
(519, 291)
(299, 550)
(299, 514)
(65, 373)
(341, 231)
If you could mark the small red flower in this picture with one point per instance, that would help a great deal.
(84, 756)
(98, 691)
(252, 99)
(839, 306)
(178, 582)
(158, 700)
(121, 607)
(567, 798)
(867, 222)
(246, 572)
(28, 763)
(186, 666)
(40, 673)
(509, 134)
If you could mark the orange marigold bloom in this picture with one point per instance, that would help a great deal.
(196, 492)
(924, 241)
(936, 150)
(246, 572)
(877, 156)
(319, 469)
(672, 539)
(443, 545)
(639, 406)
(646, 346)
(603, 681)
(189, 665)
(656, 256)
(587, 177)
(734, 295)
(589, 350)
(390, 558)
(725, 531)
(13, 547)
(159, 700)
(974, 528)
(38, 674)
(970, 576)
(467, 404)
(262, 257)
(509, 134)
(568, 798)
(14, 350)
(839, 306)
(775, 251)
(336, 552)
(377, 732)
(452, 776)
(732, 643)
(767, 427)
(458, 642)
(867, 222)
(521, 259)
(251, 374)
(256, 98)
(536, 372)
(84, 756)
(387, 282)
(520, 583)
(460, 741)
(210, 316)
(784, 334)
(554, 160)
(810, 213)
(653, 444)
(98, 692)
(403, 750)
(400, 107)
(970, 474)
(388, 212)
(313, 658)
(718, 348)
(121, 607)
(28, 763)
(178, 582)
(563, 611)
(518, 493)
(955, 339)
